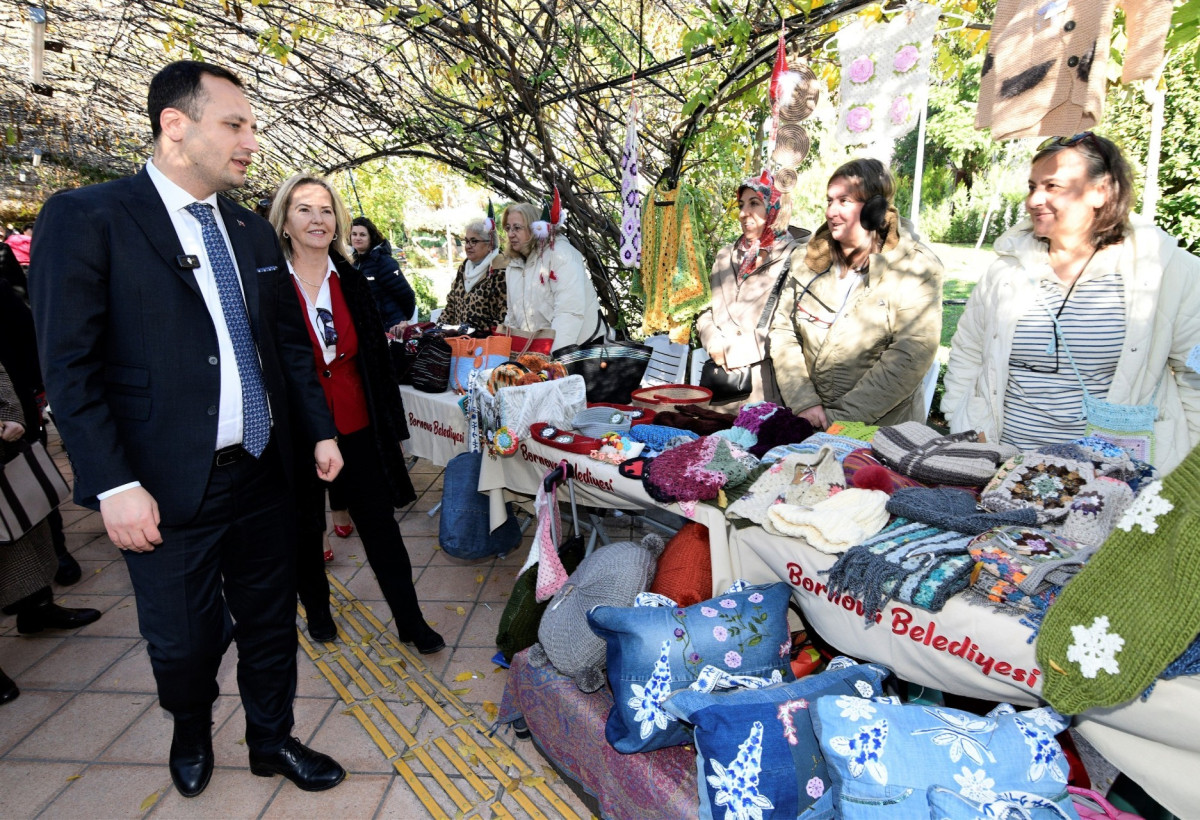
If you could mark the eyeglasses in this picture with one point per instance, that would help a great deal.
(327, 328)
(264, 203)
(514, 228)
(470, 243)
(807, 315)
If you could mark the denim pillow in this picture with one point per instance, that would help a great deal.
(755, 748)
(653, 651)
(901, 760)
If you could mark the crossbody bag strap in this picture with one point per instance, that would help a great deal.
(773, 299)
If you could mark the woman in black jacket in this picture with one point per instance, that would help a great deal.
(352, 361)
(373, 256)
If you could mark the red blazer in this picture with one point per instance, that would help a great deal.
(340, 378)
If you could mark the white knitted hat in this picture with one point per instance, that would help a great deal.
(834, 525)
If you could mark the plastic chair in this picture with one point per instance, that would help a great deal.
(436, 314)
(699, 357)
(668, 362)
(929, 386)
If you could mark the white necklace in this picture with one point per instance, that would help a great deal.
(305, 281)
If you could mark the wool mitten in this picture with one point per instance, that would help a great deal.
(1135, 607)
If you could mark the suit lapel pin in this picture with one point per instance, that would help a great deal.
(241, 224)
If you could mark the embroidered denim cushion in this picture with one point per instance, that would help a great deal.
(653, 651)
(756, 748)
(895, 760)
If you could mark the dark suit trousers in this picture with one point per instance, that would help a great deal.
(227, 575)
(363, 486)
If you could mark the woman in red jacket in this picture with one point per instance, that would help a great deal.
(354, 368)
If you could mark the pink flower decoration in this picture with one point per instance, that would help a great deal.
(720, 633)
(862, 69)
(905, 59)
(900, 110)
(708, 612)
(728, 603)
(858, 119)
(815, 788)
(756, 598)
(785, 648)
(732, 659)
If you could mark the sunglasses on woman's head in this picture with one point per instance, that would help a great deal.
(327, 328)
(1068, 142)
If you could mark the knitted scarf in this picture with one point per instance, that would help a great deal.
(473, 274)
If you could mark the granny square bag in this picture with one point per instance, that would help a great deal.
(656, 647)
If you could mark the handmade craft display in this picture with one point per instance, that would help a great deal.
(631, 197)
(885, 76)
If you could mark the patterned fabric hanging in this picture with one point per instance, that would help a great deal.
(631, 204)
(885, 76)
(674, 281)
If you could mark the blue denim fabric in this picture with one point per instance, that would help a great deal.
(653, 651)
(464, 531)
(897, 761)
(756, 747)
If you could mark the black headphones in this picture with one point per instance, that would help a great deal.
(874, 213)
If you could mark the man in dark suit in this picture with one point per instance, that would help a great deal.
(175, 360)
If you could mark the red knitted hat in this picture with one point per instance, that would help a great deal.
(685, 568)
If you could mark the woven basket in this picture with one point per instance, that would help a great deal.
(786, 179)
(804, 98)
(670, 396)
(791, 146)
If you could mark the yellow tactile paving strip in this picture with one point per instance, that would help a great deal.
(474, 772)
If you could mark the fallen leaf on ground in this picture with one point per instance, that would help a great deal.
(74, 777)
(149, 801)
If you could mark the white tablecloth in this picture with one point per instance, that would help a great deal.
(437, 427)
(597, 484)
(978, 652)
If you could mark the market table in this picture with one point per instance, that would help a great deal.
(437, 427)
(597, 484)
(975, 651)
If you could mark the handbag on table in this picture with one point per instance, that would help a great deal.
(431, 367)
(31, 487)
(527, 341)
(612, 370)
(470, 354)
(738, 383)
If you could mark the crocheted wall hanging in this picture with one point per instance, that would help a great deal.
(631, 198)
(674, 281)
(885, 76)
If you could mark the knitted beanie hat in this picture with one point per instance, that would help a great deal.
(695, 471)
(922, 453)
(815, 479)
(834, 525)
(724, 461)
(841, 445)
(751, 416)
(783, 427)
(740, 436)
(657, 437)
(1136, 605)
(596, 421)
(953, 509)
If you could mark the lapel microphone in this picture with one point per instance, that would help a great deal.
(187, 261)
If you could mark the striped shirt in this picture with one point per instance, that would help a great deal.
(1043, 403)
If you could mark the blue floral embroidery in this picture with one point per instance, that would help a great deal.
(864, 750)
(1045, 750)
(737, 786)
(956, 733)
(646, 699)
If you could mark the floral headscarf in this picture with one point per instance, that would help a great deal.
(764, 185)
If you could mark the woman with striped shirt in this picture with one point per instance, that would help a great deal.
(1082, 294)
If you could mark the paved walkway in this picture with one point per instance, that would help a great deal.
(87, 737)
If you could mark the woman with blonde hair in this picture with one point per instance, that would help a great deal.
(548, 282)
(354, 368)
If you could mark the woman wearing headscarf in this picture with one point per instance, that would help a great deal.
(548, 283)
(1082, 294)
(373, 257)
(860, 319)
(352, 361)
(479, 295)
(733, 331)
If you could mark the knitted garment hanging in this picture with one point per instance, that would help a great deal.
(1136, 605)
(674, 281)
(885, 76)
(631, 199)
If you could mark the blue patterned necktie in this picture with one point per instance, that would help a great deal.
(256, 417)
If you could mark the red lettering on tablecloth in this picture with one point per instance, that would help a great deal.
(928, 634)
(585, 475)
(437, 428)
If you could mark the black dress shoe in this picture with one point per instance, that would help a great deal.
(320, 624)
(8, 689)
(191, 761)
(53, 616)
(68, 570)
(309, 770)
(427, 641)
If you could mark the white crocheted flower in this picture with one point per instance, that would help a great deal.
(855, 708)
(975, 785)
(736, 784)
(1095, 648)
(1145, 509)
